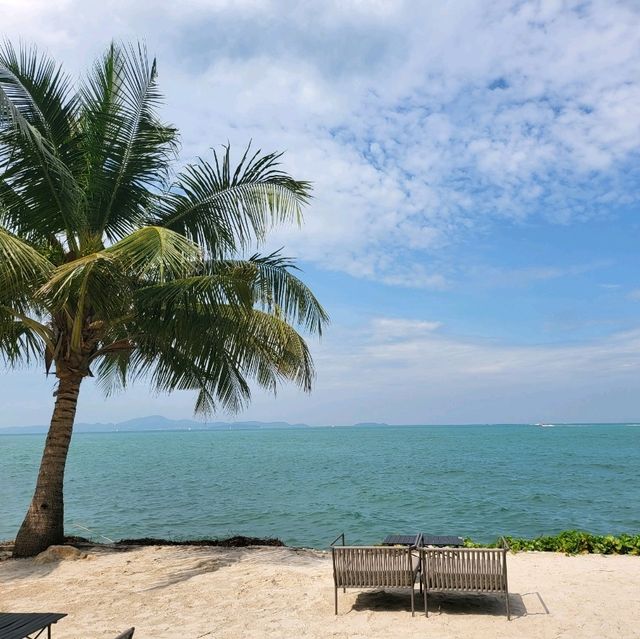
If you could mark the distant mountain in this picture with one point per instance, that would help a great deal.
(153, 423)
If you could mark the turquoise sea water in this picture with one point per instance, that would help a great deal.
(306, 486)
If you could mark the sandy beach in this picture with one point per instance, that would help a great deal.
(195, 592)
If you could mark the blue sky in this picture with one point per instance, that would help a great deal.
(474, 232)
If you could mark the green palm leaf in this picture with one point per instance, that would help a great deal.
(224, 209)
(38, 190)
(276, 290)
(127, 146)
(156, 254)
(22, 267)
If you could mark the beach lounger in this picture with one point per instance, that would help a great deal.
(374, 567)
(127, 634)
(465, 570)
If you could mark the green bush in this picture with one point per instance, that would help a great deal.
(571, 542)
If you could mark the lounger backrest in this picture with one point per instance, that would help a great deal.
(127, 634)
(373, 566)
(465, 569)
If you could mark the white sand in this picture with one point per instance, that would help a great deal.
(187, 592)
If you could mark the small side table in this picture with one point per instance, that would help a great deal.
(403, 540)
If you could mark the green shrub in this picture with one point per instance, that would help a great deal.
(571, 542)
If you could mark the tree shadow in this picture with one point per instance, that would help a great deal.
(209, 559)
(12, 570)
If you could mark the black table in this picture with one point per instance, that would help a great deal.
(27, 625)
(402, 540)
(423, 539)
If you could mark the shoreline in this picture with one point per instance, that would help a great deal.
(569, 542)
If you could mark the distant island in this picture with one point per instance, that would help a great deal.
(158, 423)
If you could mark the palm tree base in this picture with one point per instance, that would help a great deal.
(37, 533)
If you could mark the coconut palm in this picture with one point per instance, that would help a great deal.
(113, 267)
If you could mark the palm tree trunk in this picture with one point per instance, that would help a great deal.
(43, 524)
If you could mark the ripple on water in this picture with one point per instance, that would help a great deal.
(307, 486)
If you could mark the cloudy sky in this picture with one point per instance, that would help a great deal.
(475, 230)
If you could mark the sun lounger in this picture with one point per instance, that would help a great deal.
(465, 570)
(374, 567)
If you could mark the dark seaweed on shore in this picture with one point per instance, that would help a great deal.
(239, 541)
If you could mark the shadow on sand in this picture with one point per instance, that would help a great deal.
(17, 569)
(450, 604)
(208, 560)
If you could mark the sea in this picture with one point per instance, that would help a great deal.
(306, 486)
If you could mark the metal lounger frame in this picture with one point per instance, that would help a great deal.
(373, 567)
(465, 570)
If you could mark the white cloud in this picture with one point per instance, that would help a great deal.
(634, 295)
(493, 277)
(405, 370)
(411, 371)
(418, 122)
(384, 329)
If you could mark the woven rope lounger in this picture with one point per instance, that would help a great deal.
(374, 567)
(465, 570)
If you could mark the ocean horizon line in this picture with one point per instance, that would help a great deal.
(145, 425)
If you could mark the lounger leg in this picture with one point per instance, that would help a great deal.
(413, 609)
(426, 609)
(336, 598)
(506, 598)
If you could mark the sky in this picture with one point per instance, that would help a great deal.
(475, 224)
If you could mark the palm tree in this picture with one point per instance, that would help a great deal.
(113, 267)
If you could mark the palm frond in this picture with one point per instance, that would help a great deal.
(112, 369)
(156, 254)
(196, 290)
(264, 282)
(38, 189)
(22, 268)
(127, 147)
(224, 209)
(276, 290)
(218, 351)
(21, 342)
(91, 287)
